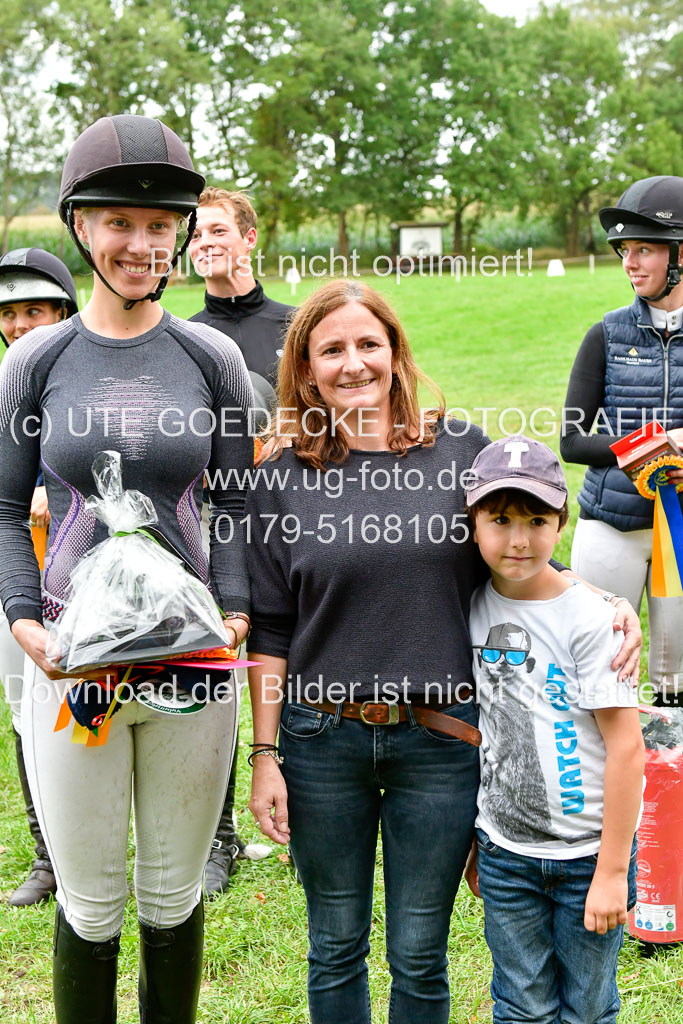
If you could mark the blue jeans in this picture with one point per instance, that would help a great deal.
(547, 969)
(344, 779)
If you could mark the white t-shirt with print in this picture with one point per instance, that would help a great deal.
(542, 754)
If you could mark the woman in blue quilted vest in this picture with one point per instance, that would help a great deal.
(629, 371)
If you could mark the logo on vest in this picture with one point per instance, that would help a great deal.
(633, 351)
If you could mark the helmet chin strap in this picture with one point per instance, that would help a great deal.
(163, 281)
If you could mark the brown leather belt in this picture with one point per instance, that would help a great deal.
(382, 713)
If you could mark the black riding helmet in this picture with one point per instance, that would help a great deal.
(129, 160)
(34, 275)
(650, 210)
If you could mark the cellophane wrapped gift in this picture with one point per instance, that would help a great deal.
(130, 599)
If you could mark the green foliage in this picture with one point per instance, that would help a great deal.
(338, 107)
(508, 232)
(54, 240)
(124, 57)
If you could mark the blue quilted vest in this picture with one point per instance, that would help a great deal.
(643, 381)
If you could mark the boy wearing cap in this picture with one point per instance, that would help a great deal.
(561, 757)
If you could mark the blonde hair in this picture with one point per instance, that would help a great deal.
(238, 202)
(303, 403)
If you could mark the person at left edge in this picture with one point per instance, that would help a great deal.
(36, 289)
(127, 186)
(235, 304)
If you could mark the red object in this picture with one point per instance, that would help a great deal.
(658, 914)
(642, 446)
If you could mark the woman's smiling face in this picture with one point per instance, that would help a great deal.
(645, 263)
(131, 246)
(350, 361)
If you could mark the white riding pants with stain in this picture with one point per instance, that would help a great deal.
(172, 770)
(11, 670)
(622, 562)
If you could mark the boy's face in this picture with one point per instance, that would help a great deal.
(515, 545)
(218, 248)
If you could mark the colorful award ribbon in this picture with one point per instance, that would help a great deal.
(667, 538)
(216, 659)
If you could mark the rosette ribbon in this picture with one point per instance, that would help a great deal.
(667, 537)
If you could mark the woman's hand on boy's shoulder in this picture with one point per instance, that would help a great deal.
(627, 659)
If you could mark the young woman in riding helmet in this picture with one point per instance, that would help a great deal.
(628, 371)
(124, 375)
(35, 289)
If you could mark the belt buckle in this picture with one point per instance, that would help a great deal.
(392, 709)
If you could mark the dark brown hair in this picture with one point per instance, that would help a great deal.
(499, 502)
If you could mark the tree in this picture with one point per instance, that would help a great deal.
(581, 108)
(28, 145)
(489, 123)
(125, 57)
(649, 139)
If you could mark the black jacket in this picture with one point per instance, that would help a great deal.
(256, 323)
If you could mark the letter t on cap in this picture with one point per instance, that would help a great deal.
(515, 448)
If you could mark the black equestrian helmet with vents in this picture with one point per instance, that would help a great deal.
(128, 160)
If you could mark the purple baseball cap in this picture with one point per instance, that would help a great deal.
(520, 464)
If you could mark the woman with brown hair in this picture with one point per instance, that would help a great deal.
(362, 570)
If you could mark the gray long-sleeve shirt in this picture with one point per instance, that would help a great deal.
(172, 401)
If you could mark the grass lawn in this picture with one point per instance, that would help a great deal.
(502, 343)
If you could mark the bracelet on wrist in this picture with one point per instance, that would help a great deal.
(236, 644)
(611, 598)
(266, 752)
(239, 615)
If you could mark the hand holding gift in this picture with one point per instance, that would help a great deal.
(131, 598)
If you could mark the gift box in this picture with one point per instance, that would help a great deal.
(647, 452)
(646, 455)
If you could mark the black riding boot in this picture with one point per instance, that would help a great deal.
(84, 976)
(40, 884)
(171, 971)
(226, 847)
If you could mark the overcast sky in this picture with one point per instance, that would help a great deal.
(518, 9)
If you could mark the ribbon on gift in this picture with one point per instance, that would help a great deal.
(216, 659)
(97, 735)
(667, 535)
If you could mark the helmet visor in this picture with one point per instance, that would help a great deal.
(23, 287)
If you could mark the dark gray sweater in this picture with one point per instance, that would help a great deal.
(385, 598)
(67, 394)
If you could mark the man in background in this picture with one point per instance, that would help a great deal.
(235, 304)
(234, 301)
